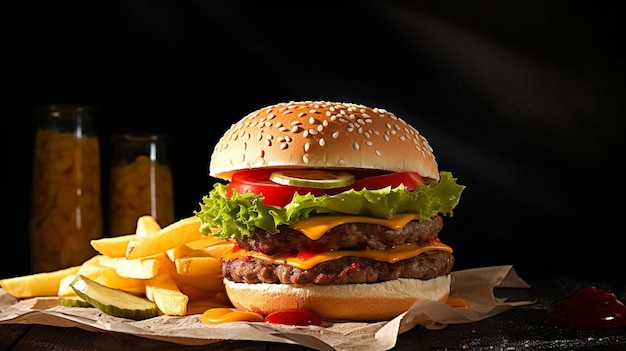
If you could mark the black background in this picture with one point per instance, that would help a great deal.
(522, 101)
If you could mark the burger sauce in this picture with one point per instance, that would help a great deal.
(588, 308)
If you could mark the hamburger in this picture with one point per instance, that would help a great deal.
(334, 208)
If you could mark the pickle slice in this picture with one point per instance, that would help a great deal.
(114, 302)
(313, 178)
(73, 301)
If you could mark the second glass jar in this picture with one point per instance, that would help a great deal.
(140, 182)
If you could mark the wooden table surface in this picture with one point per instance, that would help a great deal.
(522, 328)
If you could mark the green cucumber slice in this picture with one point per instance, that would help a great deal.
(114, 302)
(73, 301)
(313, 178)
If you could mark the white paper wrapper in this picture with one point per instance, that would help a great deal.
(476, 286)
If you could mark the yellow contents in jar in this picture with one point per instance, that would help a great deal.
(66, 212)
(142, 187)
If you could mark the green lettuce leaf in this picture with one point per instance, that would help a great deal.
(238, 216)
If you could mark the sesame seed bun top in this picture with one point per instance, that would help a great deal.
(321, 134)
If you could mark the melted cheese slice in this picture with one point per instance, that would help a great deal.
(314, 227)
(392, 255)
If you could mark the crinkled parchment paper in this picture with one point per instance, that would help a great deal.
(476, 286)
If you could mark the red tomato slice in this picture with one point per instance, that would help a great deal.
(258, 182)
(294, 317)
(410, 179)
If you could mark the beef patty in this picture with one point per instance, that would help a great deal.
(346, 236)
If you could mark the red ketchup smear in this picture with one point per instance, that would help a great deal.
(294, 317)
(588, 308)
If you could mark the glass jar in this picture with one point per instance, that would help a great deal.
(140, 182)
(66, 210)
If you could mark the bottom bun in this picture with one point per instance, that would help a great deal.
(348, 302)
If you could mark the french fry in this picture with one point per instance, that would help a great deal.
(107, 276)
(206, 242)
(186, 251)
(138, 268)
(114, 246)
(164, 292)
(64, 286)
(198, 265)
(182, 251)
(171, 236)
(146, 226)
(206, 283)
(37, 284)
(218, 249)
(198, 285)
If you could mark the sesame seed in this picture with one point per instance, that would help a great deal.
(311, 120)
(322, 142)
(301, 114)
(335, 135)
(377, 152)
(295, 129)
(283, 146)
(356, 146)
(268, 142)
(307, 146)
(305, 158)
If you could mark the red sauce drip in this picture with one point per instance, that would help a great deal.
(588, 308)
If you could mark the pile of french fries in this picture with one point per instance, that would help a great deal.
(176, 267)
